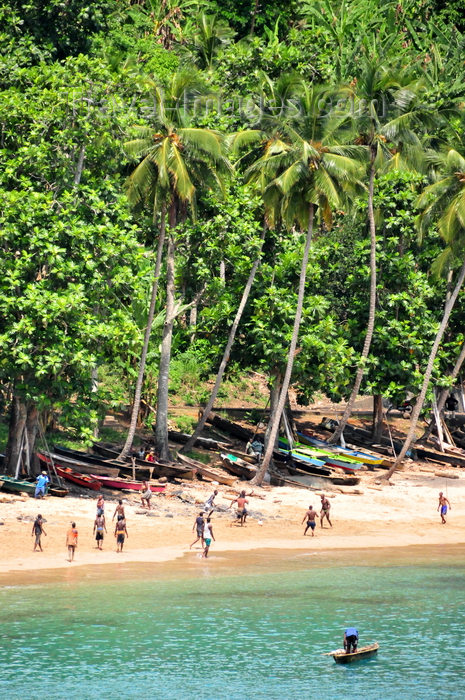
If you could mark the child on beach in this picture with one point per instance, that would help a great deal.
(37, 530)
(443, 505)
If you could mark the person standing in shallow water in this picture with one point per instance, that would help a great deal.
(37, 530)
(199, 524)
(311, 516)
(442, 507)
(71, 541)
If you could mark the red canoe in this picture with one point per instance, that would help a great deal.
(88, 482)
(111, 483)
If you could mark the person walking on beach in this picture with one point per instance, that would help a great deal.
(145, 494)
(119, 510)
(41, 485)
(71, 541)
(311, 515)
(199, 524)
(209, 503)
(442, 507)
(242, 512)
(325, 508)
(100, 505)
(121, 532)
(99, 528)
(207, 535)
(37, 530)
(350, 640)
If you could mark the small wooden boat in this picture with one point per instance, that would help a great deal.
(340, 656)
(144, 469)
(17, 485)
(332, 459)
(205, 443)
(239, 467)
(230, 428)
(72, 475)
(100, 463)
(121, 484)
(208, 473)
(57, 491)
(363, 457)
(80, 466)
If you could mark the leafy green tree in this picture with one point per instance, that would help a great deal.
(307, 169)
(175, 158)
(444, 202)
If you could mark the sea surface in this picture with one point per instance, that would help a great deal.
(252, 625)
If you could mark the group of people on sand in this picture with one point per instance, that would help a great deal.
(311, 515)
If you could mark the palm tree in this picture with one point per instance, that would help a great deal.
(307, 170)
(175, 158)
(444, 202)
(385, 105)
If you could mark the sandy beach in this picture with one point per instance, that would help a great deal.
(399, 514)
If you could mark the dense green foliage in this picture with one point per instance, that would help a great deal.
(89, 90)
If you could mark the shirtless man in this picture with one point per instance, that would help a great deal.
(310, 515)
(325, 508)
(241, 507)
(442, 507)
(119, 510)
(120, 533)
(71, 541)
(99, 528)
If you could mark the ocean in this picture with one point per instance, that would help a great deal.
(238, 625)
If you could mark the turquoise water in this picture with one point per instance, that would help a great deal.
(204, 630)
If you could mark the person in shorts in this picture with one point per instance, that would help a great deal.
(208, 536)
(37, 530)
(350, 640)
(442, 507)
(99, 528)
(199, 524)
(311, 516)
(121, 532)
(145, 494)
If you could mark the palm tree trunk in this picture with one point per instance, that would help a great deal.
(290, 358)
(429, 368)
(18, 417)
(445, 392)
(275, 393)
(232, 334)
(335, 438)
(161, 425)
(377, 427)
(148, 330)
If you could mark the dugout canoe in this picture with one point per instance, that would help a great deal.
(363, 457)
(83, 467)
(207, 473)
(341, 657)
(147, 470)
(17, 485)
(237, 466)
(72, 475)
(121, 484)
(205, 443)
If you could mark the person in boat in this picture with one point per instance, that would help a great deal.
(121, 532)
(242, 512)
(311, 516)
(199, 525)
(444, 503)
(119, 510)
(350, 640)
(145, 495)
(71, 541)
(42, 483)
(99, 528)
(100, 505)
(140, 452)
(207, 536)
(37, 530)
(325, 508)
(255, 448)
(209, 505)
(150, 456)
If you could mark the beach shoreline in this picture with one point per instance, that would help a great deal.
(401, 515)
